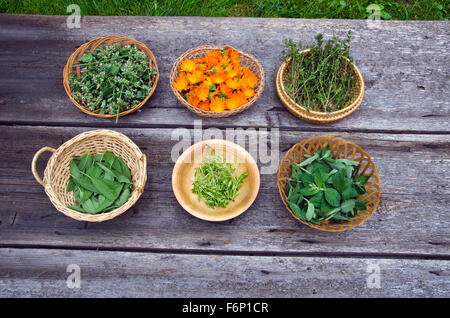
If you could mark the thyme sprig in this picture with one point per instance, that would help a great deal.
(113, 79)
(321, 79)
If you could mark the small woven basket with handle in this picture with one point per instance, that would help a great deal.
(57, 172)
(98, 43)
(315, 116)
(246, 60)
(342, 149)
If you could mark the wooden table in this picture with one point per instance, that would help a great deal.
(156, 248)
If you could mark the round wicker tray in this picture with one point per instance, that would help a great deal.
(90, 47)
(57, 172)
(341, 149)
(315, 116)
(246, 60)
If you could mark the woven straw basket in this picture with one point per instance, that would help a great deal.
(57, 172)
(90, 47)
(342, 149)
(315, 116)
(246, 60)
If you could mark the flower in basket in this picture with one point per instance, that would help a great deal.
(216, 82)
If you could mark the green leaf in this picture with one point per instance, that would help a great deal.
(70, 185)
(87, 57)
(360, 205)
(123, 198)
(109, 158)
(85, 163)
(306, 178)
(103, 188)
(85, 182)
(309, 212)
(125, 170)
(118, 175)
(309, 160)
(76, 208)
(333, 197)
(348, 193)
(296, 210)
(347, 205)
(74, 171)
(311, 189)
(338, 180)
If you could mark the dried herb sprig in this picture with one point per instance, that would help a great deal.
(321, 79)
(113, 79)
(216, 182)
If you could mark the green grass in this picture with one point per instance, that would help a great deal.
(348, 9)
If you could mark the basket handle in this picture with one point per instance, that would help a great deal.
(33, 163)
(144, 164)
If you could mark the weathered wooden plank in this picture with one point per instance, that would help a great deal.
(411, 219)
(405, 66)
(43, 273)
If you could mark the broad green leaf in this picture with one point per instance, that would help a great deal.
(338, 180)
(360, 205)
(296, 210)
(70, 185)
(309, 212)
(125, 170)
(85, 163)
(109, 158)
(121, 177)
(85, 182)
(333, 197)
(349, 193)
(311, 189)
(347, 205)
(76, 208)
(306, 178)
(74, 171)
(87, 57)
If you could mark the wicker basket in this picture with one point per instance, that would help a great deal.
(57, 172)
(315, 116)
(90, 47)
(246, 60)
(341, 149)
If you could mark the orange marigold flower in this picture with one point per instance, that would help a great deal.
(249, 79)
(212, 58)
(193, 100)
(188, 66)
(217, 105)
(218, 77)
(202, 91)
(195, 77)
(233, 83)
(234, 55)
(226, 90)
(235, 101)
(181, 83)
(204, 105)
(248, 92)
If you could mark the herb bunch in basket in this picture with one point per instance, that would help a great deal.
(113, 79)
(320, 79)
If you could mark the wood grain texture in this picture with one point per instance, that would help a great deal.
(404, 64)
(43, 273)
(412, 217)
